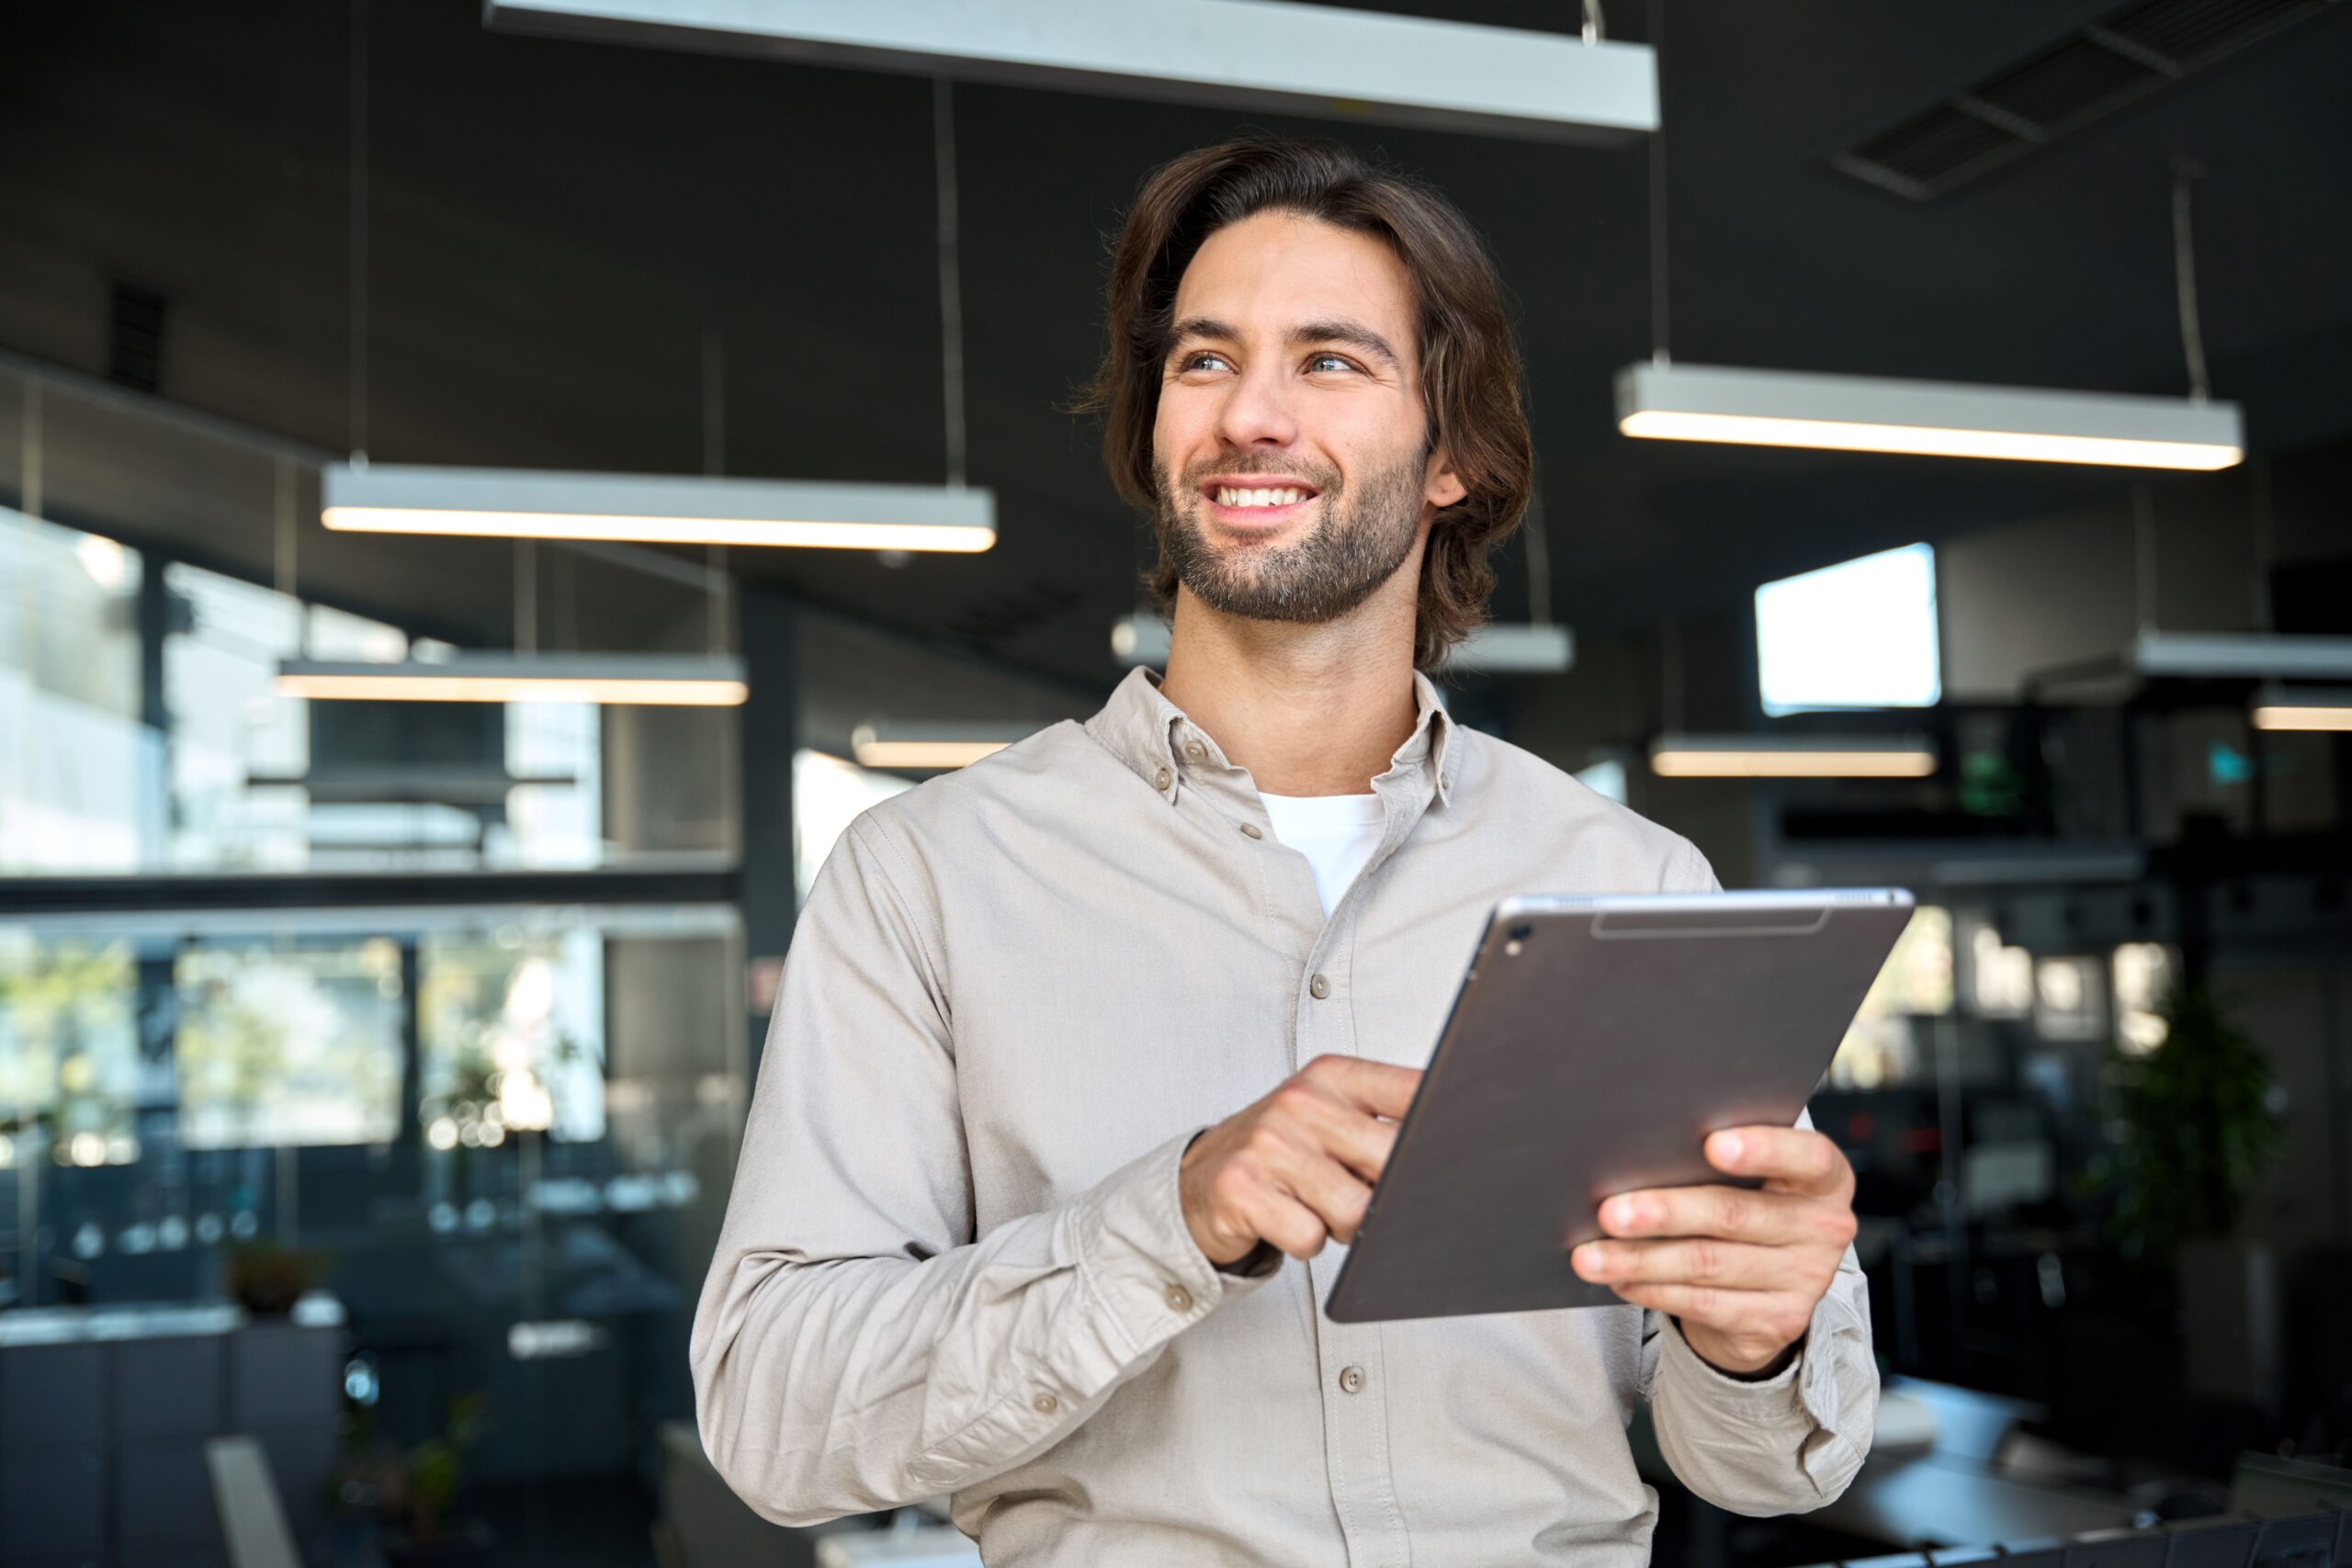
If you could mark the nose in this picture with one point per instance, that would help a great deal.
(1257, 411)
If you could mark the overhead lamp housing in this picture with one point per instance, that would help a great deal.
(674, 509)
(1254, 56)
(2309, 709)
(1949, 419)
(651, 680)
(1524, 647)
(1793, 756)
(930, 748)
(2255, 656)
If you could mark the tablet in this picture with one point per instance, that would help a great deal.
(1593, 1046)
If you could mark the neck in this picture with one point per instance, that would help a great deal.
(1307, 709)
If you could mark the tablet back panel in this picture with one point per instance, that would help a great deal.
(1594, 1044)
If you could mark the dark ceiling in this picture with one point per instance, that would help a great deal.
(554, 226)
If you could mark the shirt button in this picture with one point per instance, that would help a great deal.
(1195, 752)
(1180, 1300)
(1249, 830)
(1352, 1379)
(1318, 987)
(1045, 1404)
(1445, 780)
(1160, 779)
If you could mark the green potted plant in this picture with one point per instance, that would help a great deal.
(414, 1492)
(2200, 1120)
(267, 1278)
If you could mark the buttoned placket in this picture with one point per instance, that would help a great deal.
(1350, 1375)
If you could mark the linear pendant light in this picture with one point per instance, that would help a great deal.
(681, 509)
(2309, 709)
(931, 748)
(1792, 757)
(644, 679)
(1255, 56)
(1875, 413)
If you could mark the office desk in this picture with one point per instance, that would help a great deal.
(1954, 1494)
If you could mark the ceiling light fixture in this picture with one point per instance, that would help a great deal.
(930, 748)
(1314, 60)
(1876, 413)
(385, 498)
(1792, 757)
(638, 678)
(2309, 709)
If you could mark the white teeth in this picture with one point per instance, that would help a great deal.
(1227, 495)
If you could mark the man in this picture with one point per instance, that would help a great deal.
(1076, 1047)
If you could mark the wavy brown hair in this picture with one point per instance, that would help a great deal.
(1470, 373)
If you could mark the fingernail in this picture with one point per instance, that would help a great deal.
(1589, 1259)
(1727, 1147)
(1620, 1211)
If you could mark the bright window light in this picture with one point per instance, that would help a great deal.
(1860, 634)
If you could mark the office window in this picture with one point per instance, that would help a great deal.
(1860, 634)
(511, 1025)
(230, 727)
(69, 1051)
(289, 1043)
(828, 793)
(1882, 1045)
(81, 779)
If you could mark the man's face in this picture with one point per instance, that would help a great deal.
(1292, 369)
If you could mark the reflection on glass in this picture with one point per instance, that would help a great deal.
(69, 1052)
(2001, 976)
(511, 1027)
(1880, 1046)
(285, 1045)
(2069, 998)
(80, 775)
(2143, 972)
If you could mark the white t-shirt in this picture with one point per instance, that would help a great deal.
(1336, 833)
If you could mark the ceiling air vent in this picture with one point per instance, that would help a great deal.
(135, 339)
(2082, 77)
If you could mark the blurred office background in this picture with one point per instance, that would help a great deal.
(372, 1071)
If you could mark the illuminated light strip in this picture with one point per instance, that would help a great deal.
(930, 748)
(2321, 712)
(1869, 413)
(1757, 757)
(648, 681)
(381, 498)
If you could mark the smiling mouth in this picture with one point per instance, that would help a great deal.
(1256, 503)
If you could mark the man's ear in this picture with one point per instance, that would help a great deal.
(1443, 487)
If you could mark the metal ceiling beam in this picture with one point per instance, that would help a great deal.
(1258, 56)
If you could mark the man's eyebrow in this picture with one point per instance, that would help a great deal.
(1352, 333)
(1349, 333)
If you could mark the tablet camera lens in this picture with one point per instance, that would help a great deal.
(1518, 943)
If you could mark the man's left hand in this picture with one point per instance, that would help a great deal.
(1741, 1270)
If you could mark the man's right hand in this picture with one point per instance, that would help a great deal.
(1296, 1169)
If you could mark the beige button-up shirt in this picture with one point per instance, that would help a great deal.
(955, 1260)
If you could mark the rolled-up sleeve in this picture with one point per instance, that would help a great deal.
(1790, 1442)
(855, 1348)
(1784, 1444)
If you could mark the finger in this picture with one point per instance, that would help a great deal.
(1333, 1192)
(1730, 1213)
(1276, 1216)
(1381, 1087)
(1318, 1121)
(1712, 1306)
(1699, 1260)
(1791, 1159)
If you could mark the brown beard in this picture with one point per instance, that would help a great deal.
(1350, 552)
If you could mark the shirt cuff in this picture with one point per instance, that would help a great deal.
(1138, 1258)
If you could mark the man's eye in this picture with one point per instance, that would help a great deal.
(1334, 358)
(1193, 361)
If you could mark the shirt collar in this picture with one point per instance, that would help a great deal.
(1155, 738)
